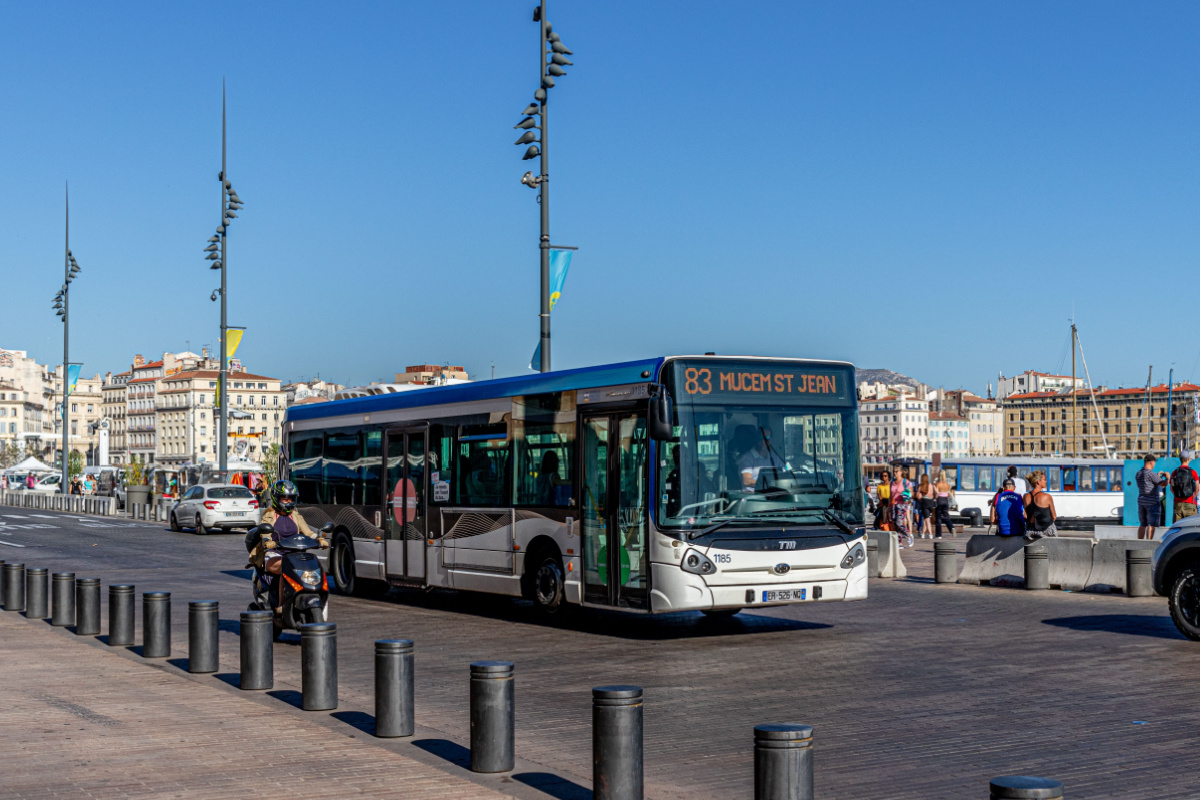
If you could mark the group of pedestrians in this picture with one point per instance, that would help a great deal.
(921, 510)
(1184, 483)
(1023, 507)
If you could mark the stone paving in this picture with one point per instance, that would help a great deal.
(921, 691)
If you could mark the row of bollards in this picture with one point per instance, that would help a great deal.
(783, 753)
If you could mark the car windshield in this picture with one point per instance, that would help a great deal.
(230, 493)
(758, 455)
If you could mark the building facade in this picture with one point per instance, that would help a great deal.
(984, 417)
(893, 427)
(188, 417)
(114, 409)
(950, 435)
(20, 420)
(34, 382)
(1030, 381)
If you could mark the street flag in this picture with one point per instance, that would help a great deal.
(73, 376)
(234, 338)
(560, 263)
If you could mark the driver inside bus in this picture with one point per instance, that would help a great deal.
(760, 455)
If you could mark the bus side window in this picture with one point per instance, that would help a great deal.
(1069, 479)
(1101, 479)
(984, 480)
(1054, 479)
(1085, 479)
(482, 474)
(543, 429)
(304, 465)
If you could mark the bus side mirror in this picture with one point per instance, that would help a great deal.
(660, 426)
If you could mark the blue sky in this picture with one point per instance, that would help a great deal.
(930, 187)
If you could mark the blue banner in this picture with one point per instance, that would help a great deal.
(73, 376)
(560, 263)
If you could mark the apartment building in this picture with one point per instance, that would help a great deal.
(893, 427)
(140, 391)
(20, 419)
(33, 380)
(950, 435)
(113, 408)
(1120, 423)
(984, 418)
(187, 416)
(1030, 381)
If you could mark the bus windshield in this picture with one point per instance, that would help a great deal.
(749, 451)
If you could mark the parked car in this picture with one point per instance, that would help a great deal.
(215, 505)
(48, 484)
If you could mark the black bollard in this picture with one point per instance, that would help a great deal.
(1037, 566)
(87, 607)
(62, 599)
(120, 614)
(1025, 787)
(617, 742)
(945, 562)
(37, 593)
(156, 624)
(203, 648)
(493, 704)
(394, 688)
(14, 587)
(872, 559)
(257, 650)
(1138, 579)
(783, 762)
(318, 666)
(2, 563)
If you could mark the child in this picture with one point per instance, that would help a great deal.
(902, 517)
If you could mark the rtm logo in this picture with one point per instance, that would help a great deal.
(787, 545)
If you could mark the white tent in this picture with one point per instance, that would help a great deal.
(31, 464)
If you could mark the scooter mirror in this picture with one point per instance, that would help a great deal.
(327, 527)
(266, 528)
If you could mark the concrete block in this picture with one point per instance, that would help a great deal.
(1000, 561)
(890, 565)
(1115, 532)
(1108, 563)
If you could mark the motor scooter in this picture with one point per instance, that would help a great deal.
(299, 594)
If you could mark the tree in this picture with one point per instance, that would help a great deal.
(74, 464)
(10, 454)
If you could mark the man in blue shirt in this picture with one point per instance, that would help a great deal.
(1149, 500)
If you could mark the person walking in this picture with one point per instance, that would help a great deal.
(1149, 502)
(1019, 485)
(1040, 515)
(884, 490)
(902, 517)
(1184, 482)
(943, 491)
(925, 506)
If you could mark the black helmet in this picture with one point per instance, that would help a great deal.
(283, 497)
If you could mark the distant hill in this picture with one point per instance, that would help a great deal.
(884, 376)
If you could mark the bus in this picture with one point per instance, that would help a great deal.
(681, 483)
(1086, 491)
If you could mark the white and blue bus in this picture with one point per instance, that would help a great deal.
(672, 484)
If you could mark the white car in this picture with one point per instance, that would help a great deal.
(215, 505)
(48, 484)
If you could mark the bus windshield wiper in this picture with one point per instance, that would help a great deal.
(710, 528)
(836, 520)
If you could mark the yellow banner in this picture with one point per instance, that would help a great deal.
(231, 346)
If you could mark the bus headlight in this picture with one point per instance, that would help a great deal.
(854, 557)
(697, 563)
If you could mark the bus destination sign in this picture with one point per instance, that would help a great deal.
(767, 384)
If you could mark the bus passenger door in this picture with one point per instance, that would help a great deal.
(406, 506)
(615, 491)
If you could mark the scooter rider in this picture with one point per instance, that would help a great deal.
(283, 522)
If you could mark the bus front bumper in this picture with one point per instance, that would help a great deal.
(676, 590)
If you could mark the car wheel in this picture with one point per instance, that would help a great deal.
(1185, 603)
(200, 529)
(549, 584)
(175, 523)
(721, 613)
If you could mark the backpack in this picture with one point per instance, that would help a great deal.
(1183, 485)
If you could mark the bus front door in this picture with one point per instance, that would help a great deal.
(406, 507)
(616, 571)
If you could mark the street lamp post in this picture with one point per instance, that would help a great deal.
(62, 307)
(549, 45)
(218, 253)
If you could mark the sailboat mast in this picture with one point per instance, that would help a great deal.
(1074, 399)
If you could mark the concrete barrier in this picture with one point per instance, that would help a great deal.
(890, 565)
(1000, 561)
(1108, 563)
(100, 506)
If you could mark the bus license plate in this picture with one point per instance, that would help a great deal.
(780, 595)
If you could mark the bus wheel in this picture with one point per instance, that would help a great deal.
(342, 566)
(550, 587)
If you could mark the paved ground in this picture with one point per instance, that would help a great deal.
(921, 691)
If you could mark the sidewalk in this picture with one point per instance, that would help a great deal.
(78, 720)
